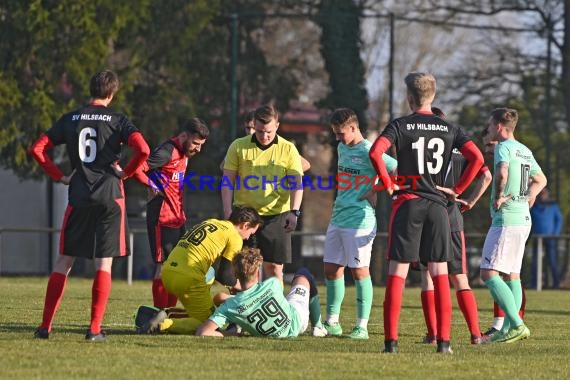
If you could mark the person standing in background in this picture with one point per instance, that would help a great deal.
(249, 129)
(274, 162)
(165, 218)
(546, 220)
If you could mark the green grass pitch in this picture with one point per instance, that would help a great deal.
(128, 356)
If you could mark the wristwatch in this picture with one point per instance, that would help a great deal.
(297, 213)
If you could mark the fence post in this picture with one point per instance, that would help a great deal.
(1, 251)
(539, 256)
(130, 259)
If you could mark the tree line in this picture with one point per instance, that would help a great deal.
(174, 56)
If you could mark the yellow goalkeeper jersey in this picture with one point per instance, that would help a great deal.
(200, 247)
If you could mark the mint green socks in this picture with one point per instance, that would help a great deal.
(364, 295)
(335, 296)
(505, 297)
(315, 311)
(516, 289)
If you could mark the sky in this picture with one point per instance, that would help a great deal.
(442, 51)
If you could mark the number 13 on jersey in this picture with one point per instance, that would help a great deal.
(437, 148)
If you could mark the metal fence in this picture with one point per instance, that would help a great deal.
(16, 258)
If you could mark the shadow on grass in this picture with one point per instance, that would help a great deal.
(12, 327)
(527, 310)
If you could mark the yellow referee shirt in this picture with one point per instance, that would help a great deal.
(200, 247)
(263, 176)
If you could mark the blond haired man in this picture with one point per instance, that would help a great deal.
(424, 144)
(259, 308)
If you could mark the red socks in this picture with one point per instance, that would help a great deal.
(54, 294)
(160, 297)
(393, 306)
(442, 306)
(172, 300)
(428, 306)
(468, 306)
(99, 296)
(159, 294)
(498, 312)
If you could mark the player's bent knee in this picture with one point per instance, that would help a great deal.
(310, 280)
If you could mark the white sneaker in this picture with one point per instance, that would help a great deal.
(319, 331)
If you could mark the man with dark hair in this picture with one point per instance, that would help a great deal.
(352, 228)
(165, 217)
(94, 226)
(498, 313)
(184, 272)
(249, 123)
(273, 168)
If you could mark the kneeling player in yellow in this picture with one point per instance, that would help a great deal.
(184, 272)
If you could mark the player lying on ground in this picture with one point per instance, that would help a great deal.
(184, 272)
(259, 308)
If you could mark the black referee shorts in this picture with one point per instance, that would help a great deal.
(272, 240)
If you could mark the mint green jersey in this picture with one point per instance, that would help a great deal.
(354, 167)
(261, 310)
(522, 165)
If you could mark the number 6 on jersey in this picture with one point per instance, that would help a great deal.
(87, 145)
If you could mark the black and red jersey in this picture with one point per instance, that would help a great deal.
(455, 171)
(457, 167)
(424, 144)
(94, 136)
(165, 169)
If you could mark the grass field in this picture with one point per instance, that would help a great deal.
(128, 356)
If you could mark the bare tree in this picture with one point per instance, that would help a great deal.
(418, 45)
(537, 24)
